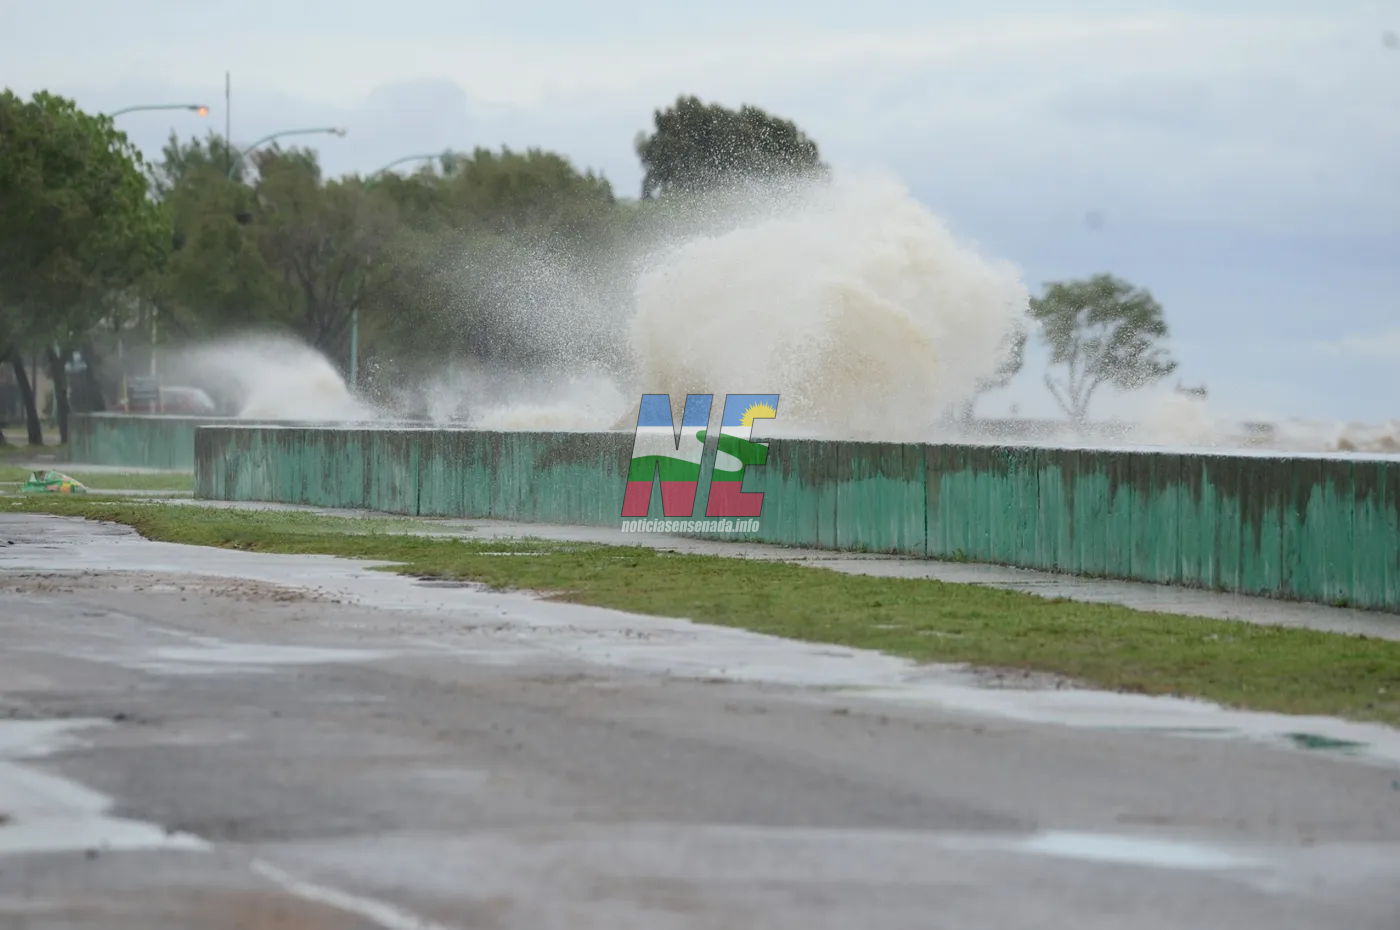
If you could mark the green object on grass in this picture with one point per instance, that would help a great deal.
(52, 482)
(1313, 741)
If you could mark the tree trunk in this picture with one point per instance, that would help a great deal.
(58, 374)
(4, 411)
(91, 384)
(26, 394)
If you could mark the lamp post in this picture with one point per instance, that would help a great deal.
(321, 130)
(354, 348)
(355, 314)
(399, 161)
(197, 108)
(330, 131)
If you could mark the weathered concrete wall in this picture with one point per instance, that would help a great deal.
(135, 441)
(1304, 528)
(357, 468)
(144, 440)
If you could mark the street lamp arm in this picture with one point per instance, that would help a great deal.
(239, 156)
(400, 161)
(199, 108)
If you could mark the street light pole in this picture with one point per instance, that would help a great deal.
(355, 314)
(238, 158)
(354, 348)
(198, 108)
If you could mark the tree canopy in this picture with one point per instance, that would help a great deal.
(696, 147)
(1100, 331)
(79, 229)
(1013, 359)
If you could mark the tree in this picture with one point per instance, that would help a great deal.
(495, 257)
(78, 225)
(288, 250)
(1102, 331)
(535, 195)
(504, 256)
(321, 242)
(197, 160)
(697, 147)
(216, 277)
(9, 326)
(1013, 360)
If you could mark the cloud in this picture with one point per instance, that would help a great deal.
(1282, 124)
(334, 67)
(1277, 122)
(1383, 345)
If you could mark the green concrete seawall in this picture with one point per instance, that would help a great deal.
(130, 441)
(1317, 529)
(146, 440)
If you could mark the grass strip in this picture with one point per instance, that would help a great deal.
(23, 452)
(105, 481)
(1259, 667)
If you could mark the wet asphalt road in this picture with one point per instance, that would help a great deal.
(203, 739)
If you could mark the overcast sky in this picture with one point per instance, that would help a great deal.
(1242, 157)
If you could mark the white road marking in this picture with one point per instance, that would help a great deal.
(385, 915)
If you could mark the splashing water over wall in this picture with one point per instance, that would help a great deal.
(861, 309)
(850, 300)
(274, 378)
(487, 397)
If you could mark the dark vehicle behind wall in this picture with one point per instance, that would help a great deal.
(146, 395)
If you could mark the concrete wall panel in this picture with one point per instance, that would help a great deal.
(1305, 528)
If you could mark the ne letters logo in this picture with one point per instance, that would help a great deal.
(676, 456)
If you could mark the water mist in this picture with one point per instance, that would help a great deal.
(849, 299)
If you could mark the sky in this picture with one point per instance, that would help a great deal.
(1237, 159)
